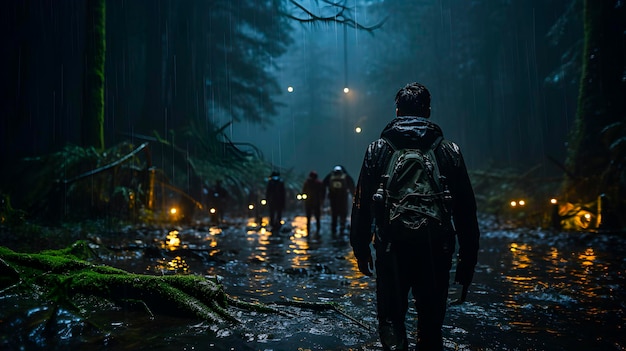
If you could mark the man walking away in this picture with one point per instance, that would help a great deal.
(414, 198)
(315, 192)
(275, 197)
(340, 184)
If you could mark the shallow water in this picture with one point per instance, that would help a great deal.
(533, 290)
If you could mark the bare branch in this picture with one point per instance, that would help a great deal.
(338, 17)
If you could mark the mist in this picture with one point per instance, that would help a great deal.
(499, 81)
(503, 76)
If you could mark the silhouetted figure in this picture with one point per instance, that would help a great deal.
(414, 256)
(275, 197)
(339, 184)
(315, 192)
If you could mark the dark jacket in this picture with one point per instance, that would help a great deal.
(417, 132)
(336, 191)
(275, 192)
(315, 191)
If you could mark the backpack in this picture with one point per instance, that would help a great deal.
(337, 184)
(414, 197)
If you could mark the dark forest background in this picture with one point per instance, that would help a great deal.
(505, 77)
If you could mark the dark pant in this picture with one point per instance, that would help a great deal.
(276, 214)
(338, 213)
(313, 210)
(422, 268)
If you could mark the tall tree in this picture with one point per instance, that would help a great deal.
(209, 61)
(93, 91)
(597, 155)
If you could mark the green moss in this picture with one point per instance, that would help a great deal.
(63, 274)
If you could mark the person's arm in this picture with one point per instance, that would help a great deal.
(351, 186)
(466, 223)
(361, 229)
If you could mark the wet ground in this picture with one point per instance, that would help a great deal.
(533, 290)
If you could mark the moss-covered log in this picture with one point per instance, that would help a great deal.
(64, 274)
(62, 277)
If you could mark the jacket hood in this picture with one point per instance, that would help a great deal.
(411, 132)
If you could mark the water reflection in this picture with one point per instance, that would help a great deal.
(559, 288)
(533, 290)
(587, 257)
(175, 265)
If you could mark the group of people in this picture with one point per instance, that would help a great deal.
(338, 185)
(413, 203)
(407, 241)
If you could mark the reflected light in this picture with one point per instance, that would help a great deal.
(173, 241)
(521, 259)
(299, 244)
(177, 265)
(587, 257)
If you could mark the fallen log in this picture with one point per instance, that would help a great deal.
(64, 274)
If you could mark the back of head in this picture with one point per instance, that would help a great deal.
(413, 100)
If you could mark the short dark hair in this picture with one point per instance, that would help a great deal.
(413, 100)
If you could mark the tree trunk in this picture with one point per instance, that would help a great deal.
(595, 164)
(93, 89)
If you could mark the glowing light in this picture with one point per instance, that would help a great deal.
(554, 201)
(346, 90)
(358, 130)
(521, 202)
(290, 89)
(173, 210)
(173, 241)
(263, 202)
(304, 196)
(251, 206)
(299, 196)
(513, 203)
(213, 210)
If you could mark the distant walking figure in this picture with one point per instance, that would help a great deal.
(339, 184)
(314, 190)
(275, 197)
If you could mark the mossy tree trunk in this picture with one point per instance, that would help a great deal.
(596, 151)
(63, 274)
(93, 88)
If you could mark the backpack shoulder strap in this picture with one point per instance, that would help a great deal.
(433, 157)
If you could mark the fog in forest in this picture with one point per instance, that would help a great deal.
(503, 75)
(499, 81)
